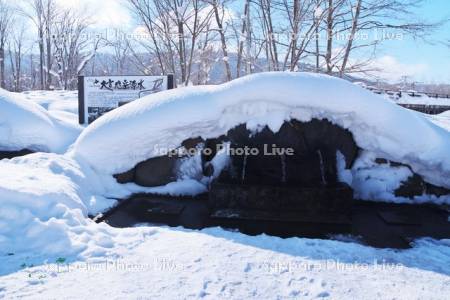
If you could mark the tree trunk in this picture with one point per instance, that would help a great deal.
(241, 41)
(329, 37)
(352, 36)
(41, 60)
(2, 67)
(49, 63)
(223, 40)
(295, 22)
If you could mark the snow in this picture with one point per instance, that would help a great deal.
(423, 99)
(45, 197)
(57, 103)
(24, 124)
(173, 263)
(134, 133)
(442, 120)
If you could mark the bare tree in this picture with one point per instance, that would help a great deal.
(71, 54)
(42, 14)
(350, 24)
(16, 54)
(6, 14)
(243, 36)
(219, 14)
(174, 28)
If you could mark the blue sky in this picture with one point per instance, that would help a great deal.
(431, 61)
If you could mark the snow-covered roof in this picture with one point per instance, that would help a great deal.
(26, 125)
(139, 130)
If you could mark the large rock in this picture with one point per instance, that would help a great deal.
(336, 199)
(11, 154)
(159, 170)
(417, 186)
(126, 177)
(156, 171)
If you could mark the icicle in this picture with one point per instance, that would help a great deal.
(283, 168)
(322, 167)
(244, 165)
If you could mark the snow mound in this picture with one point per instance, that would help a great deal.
(442, 120)
(139, 130)
(24, 124)
(59, 104)
(45, 202)
(41, 196)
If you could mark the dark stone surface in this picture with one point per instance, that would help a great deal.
(191, 143)
(11, 154)
(436, 190)
(376, 224)
(156, 171)
(212, 144)
(336, 199)
(208, 169)
(314, 145)
(126, 177)
(415, 185)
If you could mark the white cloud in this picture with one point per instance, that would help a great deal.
(389, 68)
(104, 13)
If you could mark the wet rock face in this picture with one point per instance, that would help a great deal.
(156, 171)
(11, 154)
(299, 154)
(417, 186)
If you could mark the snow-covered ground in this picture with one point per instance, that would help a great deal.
(442, 120)
(27, 125)
(49, 248)
(423, 99)
(217, 264)
(60, 104)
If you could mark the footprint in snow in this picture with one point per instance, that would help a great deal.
(323, 295)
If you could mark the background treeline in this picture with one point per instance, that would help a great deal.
(44, 45)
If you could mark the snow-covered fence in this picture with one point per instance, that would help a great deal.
(426, 108)
(429, 103)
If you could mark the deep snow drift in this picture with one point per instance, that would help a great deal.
(138, 131)
(26, 125)
(45, 200)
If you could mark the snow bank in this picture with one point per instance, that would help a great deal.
(45, 200)
(139, 130)
(62, 105)
(423, 99)
(442, 120)
(54, 100)
(24, 124)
